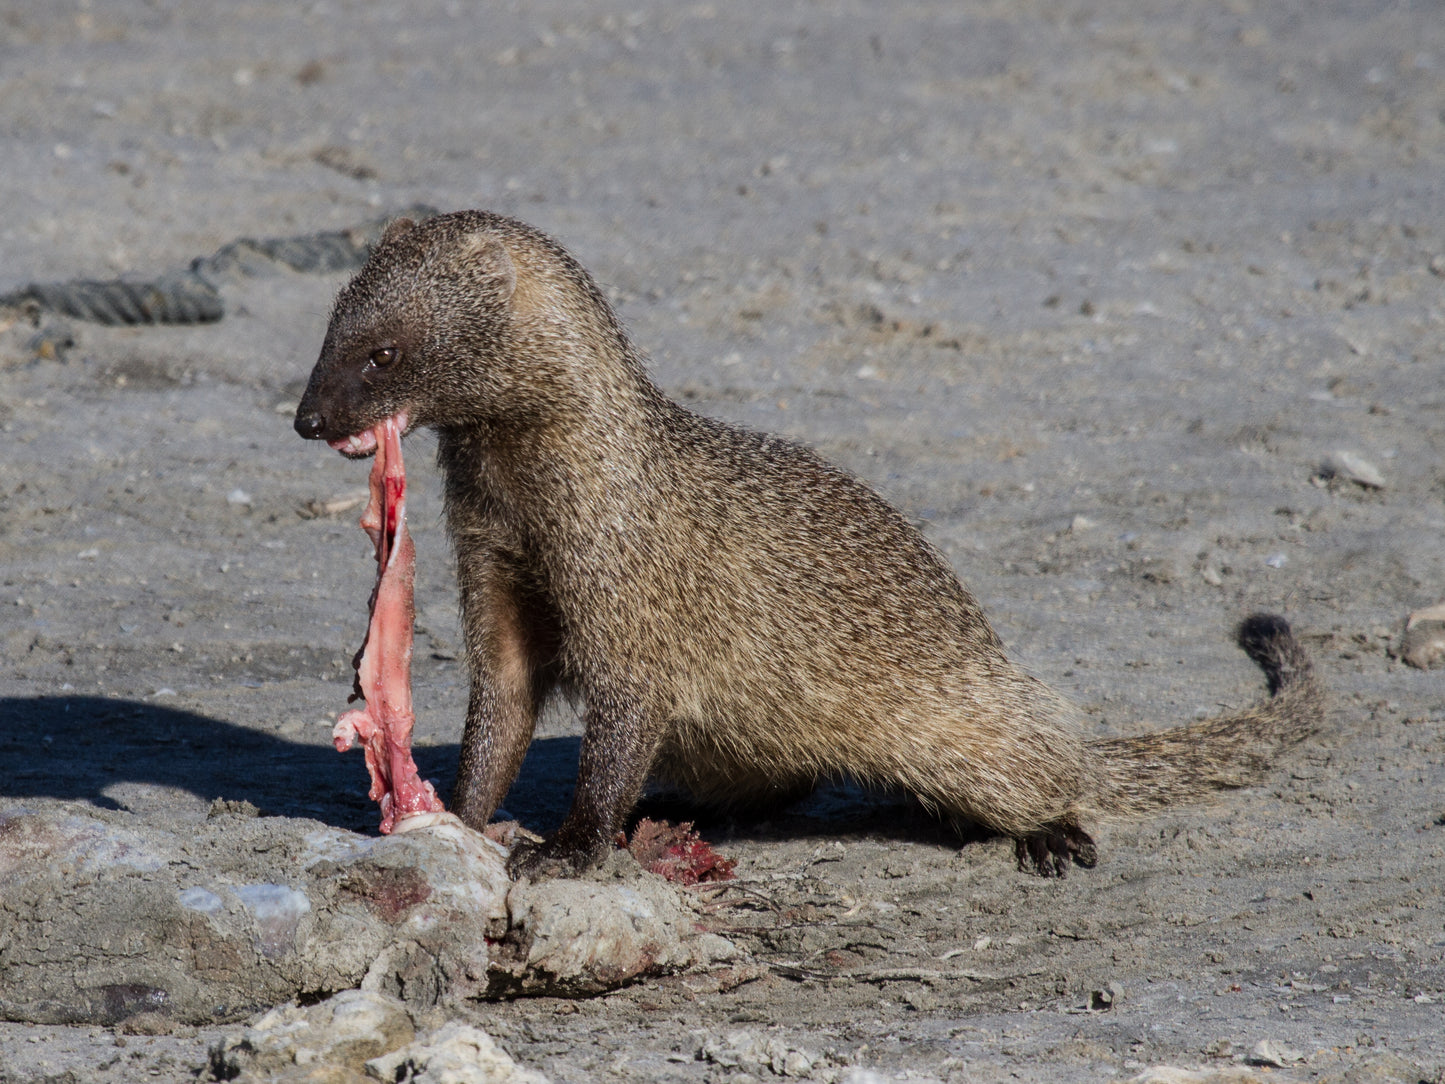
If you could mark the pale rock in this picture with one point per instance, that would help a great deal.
(346, 1030)
(1229, 1074)
(455, 1053)
(244, 912)
(1353, 467)
(1423, 645)
(1270, 1052)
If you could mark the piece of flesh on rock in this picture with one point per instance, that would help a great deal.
(383, 665)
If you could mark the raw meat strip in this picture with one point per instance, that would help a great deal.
(383, 665)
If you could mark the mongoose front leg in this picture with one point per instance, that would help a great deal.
(618, 745)
(502, 709)
(494, 743)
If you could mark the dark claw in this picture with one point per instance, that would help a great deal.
(1049, 851)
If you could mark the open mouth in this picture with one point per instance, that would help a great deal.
(356, 445)
(364, 443)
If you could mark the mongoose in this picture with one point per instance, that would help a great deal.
(740, 618)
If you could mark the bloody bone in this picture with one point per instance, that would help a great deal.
(383, 665)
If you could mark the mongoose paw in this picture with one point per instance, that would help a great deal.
(1049, 851)
(554, 857)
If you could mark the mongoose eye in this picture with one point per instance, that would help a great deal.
(383, 357)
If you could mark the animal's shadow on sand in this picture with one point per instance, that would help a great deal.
(84, 747)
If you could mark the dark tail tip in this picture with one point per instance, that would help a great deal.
(1267, 639)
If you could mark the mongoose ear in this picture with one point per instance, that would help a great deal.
(487, 257)
(396, 228)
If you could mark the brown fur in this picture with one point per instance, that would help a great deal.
(740, 618)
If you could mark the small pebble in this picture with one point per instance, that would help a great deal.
(797, 1063)
(1269, 1052)
(920, 1000)
(334, 505)
(1423, 645)
(1353, 467)
(52, 342)
(1107, 998)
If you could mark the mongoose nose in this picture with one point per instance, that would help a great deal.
(310, 424)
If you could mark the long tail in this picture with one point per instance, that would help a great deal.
(1152, 770)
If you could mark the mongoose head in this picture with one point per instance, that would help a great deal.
(426, 331)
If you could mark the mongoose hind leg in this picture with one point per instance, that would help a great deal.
(1049, 851)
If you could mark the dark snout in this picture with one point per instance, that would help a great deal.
(309, 422)
(321, 408)
(334, 409)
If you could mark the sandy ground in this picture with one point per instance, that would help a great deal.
(1091, 288)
